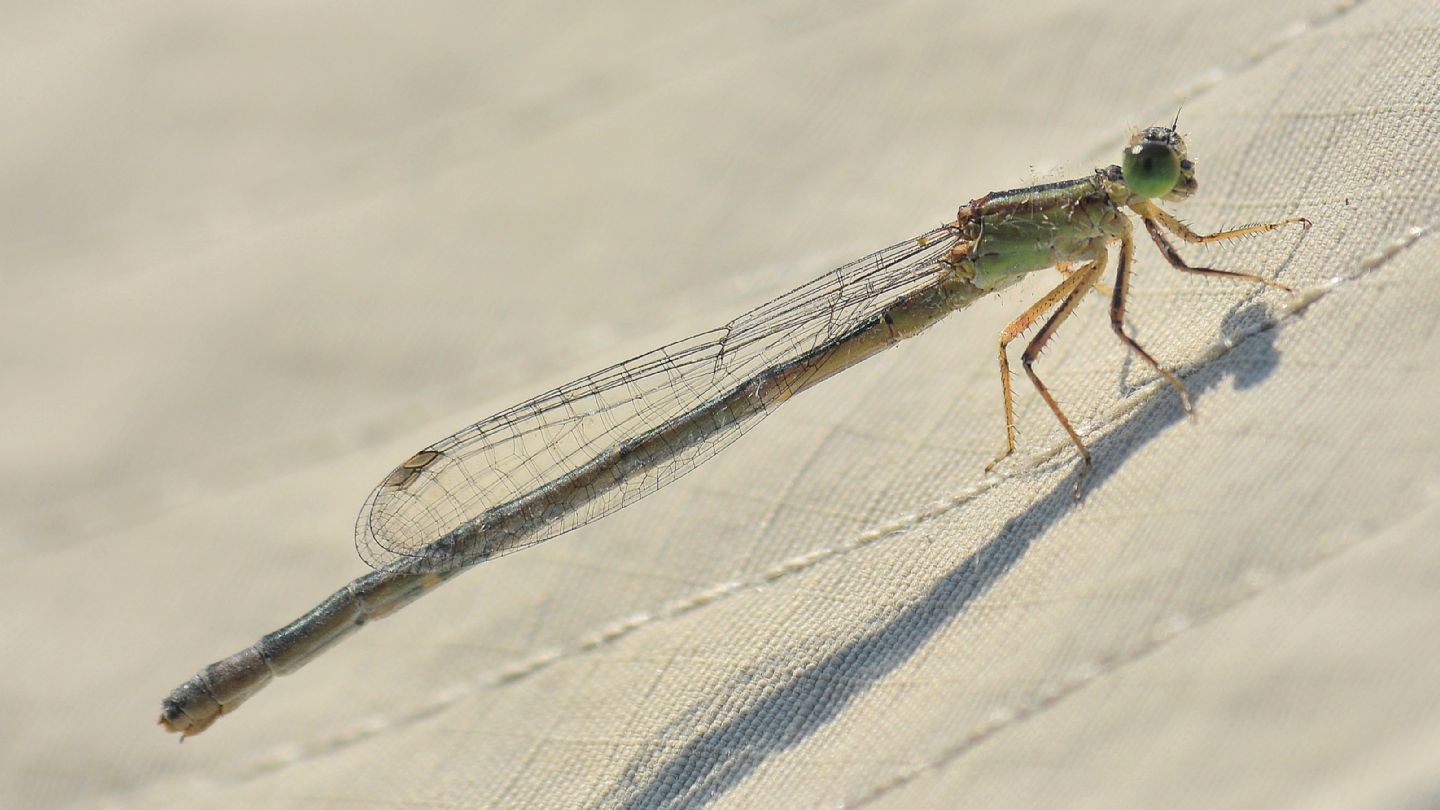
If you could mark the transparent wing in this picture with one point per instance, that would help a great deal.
(582, 432)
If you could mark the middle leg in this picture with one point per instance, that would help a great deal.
(1117, 314)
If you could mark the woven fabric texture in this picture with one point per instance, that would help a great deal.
(255, 256)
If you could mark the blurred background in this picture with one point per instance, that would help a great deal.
(254, 256)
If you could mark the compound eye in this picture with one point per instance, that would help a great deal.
(1151, 169)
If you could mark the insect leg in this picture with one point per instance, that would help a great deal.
(1063, 291)
(1117, 312)
(1171, 255)
(1180, 229)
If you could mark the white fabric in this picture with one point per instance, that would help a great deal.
(253, 257)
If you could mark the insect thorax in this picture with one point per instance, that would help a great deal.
(1009, 234)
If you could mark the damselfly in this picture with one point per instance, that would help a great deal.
(581, 451)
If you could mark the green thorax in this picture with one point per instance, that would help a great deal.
(1012, 233)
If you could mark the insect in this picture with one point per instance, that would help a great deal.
(577, 453)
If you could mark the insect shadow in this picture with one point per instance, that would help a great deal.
(800, 703)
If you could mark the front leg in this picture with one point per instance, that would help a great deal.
(1149, 210)
(1173, 257)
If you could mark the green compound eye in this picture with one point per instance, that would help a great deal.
(1150, 169)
